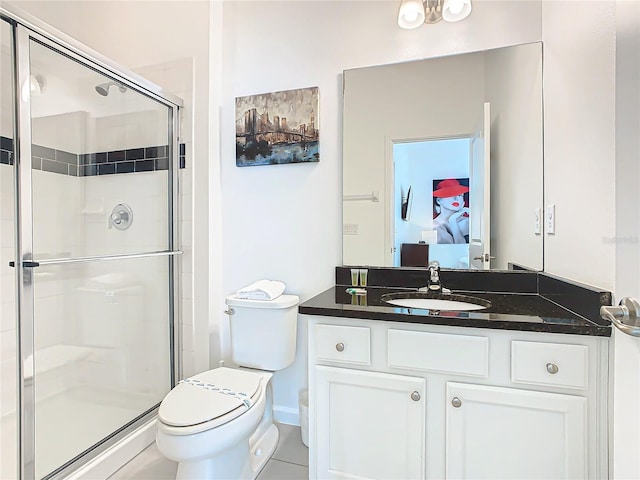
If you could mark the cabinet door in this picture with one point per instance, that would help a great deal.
(504, 433)
(369, 424)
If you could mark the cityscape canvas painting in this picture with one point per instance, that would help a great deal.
(279, 127)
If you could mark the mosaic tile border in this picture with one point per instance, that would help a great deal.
(6, 151)
(144, 159)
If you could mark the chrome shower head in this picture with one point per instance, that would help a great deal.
(103, 88)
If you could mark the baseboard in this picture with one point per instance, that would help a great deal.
(288, 415)
(112, 459)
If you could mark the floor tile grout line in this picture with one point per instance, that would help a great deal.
(290, 463)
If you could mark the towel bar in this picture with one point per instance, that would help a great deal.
(373, 197)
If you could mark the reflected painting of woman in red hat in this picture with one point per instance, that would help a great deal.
(451, 210)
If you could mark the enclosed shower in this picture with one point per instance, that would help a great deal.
(88, 173)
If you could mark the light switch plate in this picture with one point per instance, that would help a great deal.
(537, 228)
(550, 219)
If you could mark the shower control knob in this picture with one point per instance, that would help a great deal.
(121, 216)
(456, 402)
(340, 347)
(552, 368)
(415, 396)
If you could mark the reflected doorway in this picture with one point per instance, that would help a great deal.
(431, 197)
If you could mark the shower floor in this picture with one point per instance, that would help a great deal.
(69, 423)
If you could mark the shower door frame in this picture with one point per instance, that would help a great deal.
(25, 29)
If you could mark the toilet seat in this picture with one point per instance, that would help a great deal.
(210, 399)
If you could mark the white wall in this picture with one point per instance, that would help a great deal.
(514, 89)
(579, 140)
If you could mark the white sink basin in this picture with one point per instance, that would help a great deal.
(427, 301)
(435, 304)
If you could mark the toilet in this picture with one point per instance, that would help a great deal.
(218, 424)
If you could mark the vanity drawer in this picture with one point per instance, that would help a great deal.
(437, 352)
(337, 343)
(553, 364)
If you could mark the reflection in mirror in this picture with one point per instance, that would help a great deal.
(434, 216)
(417, 131)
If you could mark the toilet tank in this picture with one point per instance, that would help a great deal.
(263, 332)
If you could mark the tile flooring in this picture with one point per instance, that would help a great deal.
(289, 462)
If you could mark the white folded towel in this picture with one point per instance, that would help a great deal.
(262, 290)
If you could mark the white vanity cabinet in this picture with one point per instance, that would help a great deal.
(508, 433)
(372, 424)
(390, 400)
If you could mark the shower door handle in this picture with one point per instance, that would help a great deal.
(27, 264)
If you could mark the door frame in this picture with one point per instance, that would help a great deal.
(389, 183)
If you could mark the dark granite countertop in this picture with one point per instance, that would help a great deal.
(509, 311)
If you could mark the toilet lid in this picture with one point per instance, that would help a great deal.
(210, 395)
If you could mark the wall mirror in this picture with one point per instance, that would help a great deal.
(443, 160)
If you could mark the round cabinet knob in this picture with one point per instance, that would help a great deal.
(552, 368)
(456, 402)
(415, 396)
(340, 347)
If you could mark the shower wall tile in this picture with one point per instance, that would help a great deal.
(162, 163)
(116, 156)
(186, 284)
(187, 311)
(142, 159)
(7, 315)
(186, 181)
(6, 143)
(93, 158)
(6, 158)
(155, 152)
(125, 167)
(43, 152)
(88, 170)
(66, 157)
(7, 345)
(186, 233)
(106, 169)
(135, 154)
(145, 166)
(182, 155)
(8, 391)
(55, 167)
(6, 151)
(186, 260)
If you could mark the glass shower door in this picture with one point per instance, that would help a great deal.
(8, 324)
(98, 190)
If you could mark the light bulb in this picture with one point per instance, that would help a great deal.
(411, 14)
(456, 7)
(456, 10)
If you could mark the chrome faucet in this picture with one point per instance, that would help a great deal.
(434, 276)
(433, 284)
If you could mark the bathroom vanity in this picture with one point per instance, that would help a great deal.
(517, 390)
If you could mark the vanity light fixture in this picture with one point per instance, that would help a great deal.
(414, 13)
